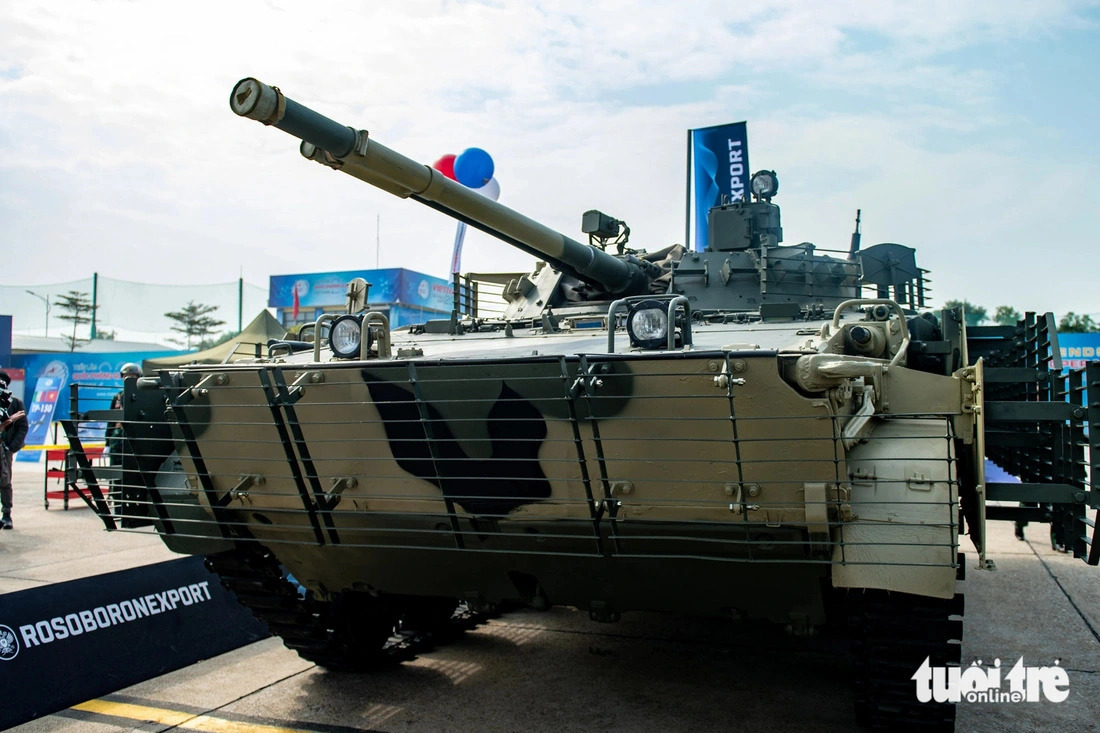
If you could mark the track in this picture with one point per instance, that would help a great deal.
(354, 632)
(894, 633)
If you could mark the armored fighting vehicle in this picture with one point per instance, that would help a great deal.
(756, 431)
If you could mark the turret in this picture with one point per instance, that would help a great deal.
(744, 268)
(355, 153)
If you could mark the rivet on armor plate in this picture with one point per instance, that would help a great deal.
(316, 377)
(621, 488)
(739, 365)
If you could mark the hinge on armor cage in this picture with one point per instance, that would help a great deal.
(589, 381)
(724, 379)
(217, 378)
(339, 483)
(737, 503)
(296, 390)
(240, 491)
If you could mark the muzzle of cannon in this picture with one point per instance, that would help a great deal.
(355, 153)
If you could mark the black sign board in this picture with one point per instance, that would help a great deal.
(69, 642)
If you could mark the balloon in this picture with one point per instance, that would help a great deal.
(473, 167)
(490, 190)
(446, 166)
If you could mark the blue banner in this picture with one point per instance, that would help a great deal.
(98, 369)
(1078, 348)
(5, 340)
(330, 288)
(388, 286)
(720, 156)
(40, 414)
(425, 291)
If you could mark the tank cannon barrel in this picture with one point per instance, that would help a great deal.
(354, 153)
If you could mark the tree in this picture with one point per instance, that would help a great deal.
(78, 308)
(1073, 323)
(1006, 315)
(194, 320)
(974, 314)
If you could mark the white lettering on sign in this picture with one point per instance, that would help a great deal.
(980, 684)
(737, 170)
(112, 614)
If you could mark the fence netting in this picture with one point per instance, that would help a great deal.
(131, 311)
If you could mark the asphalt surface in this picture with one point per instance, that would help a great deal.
(559, 671)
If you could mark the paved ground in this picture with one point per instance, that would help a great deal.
(51, 546)
(559, 671)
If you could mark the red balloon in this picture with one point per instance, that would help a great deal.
(446, 166)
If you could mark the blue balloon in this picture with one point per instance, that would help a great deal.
(473, 168)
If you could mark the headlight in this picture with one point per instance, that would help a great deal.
(764, 184)
(647, 324)
(346, 336)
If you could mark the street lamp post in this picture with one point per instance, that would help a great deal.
(45, 299)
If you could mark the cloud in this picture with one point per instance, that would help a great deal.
(123, 158)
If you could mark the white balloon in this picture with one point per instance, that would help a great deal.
(491, 189)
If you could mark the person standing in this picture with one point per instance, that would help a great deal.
(126, 370)
(115, 434)
(13, 434)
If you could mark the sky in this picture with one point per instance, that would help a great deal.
(967, 130)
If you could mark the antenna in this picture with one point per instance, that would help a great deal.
(853, 250)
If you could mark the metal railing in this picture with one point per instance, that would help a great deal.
(1037, 417)
(563, 456)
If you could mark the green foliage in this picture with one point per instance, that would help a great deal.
(194, 321)
(1006, 315)
(76, 307)
(974, 315)
(1073, 323)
